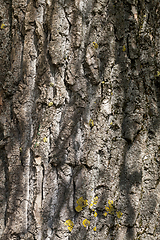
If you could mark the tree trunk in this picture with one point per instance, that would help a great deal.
(80, 119)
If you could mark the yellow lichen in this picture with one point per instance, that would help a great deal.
(50, 104)
(158, 74)
(91, 123)
(81, 204)
(91, 205)
(110, 202)
(110, 209)
(95, 45)
(79, 208)
(95, 200)
(70, 224)
(105, 214)
(124, 48)
(70, 228)
(45, 139)
(95, 214)
(86, 223)
(94, 229)
(2, 26)
(119, 214)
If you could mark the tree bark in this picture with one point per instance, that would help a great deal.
(80, 119)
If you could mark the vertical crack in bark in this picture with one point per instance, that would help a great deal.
(50, 139)
(43, 175)
(39, 197)
(74, 191)
(128, 53)
(10, 28)
(70, 24)
(7, 188)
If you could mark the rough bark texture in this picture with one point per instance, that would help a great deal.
(79, 117)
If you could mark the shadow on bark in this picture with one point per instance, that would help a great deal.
(136, 88)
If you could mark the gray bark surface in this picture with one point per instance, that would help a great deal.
(79, 119)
